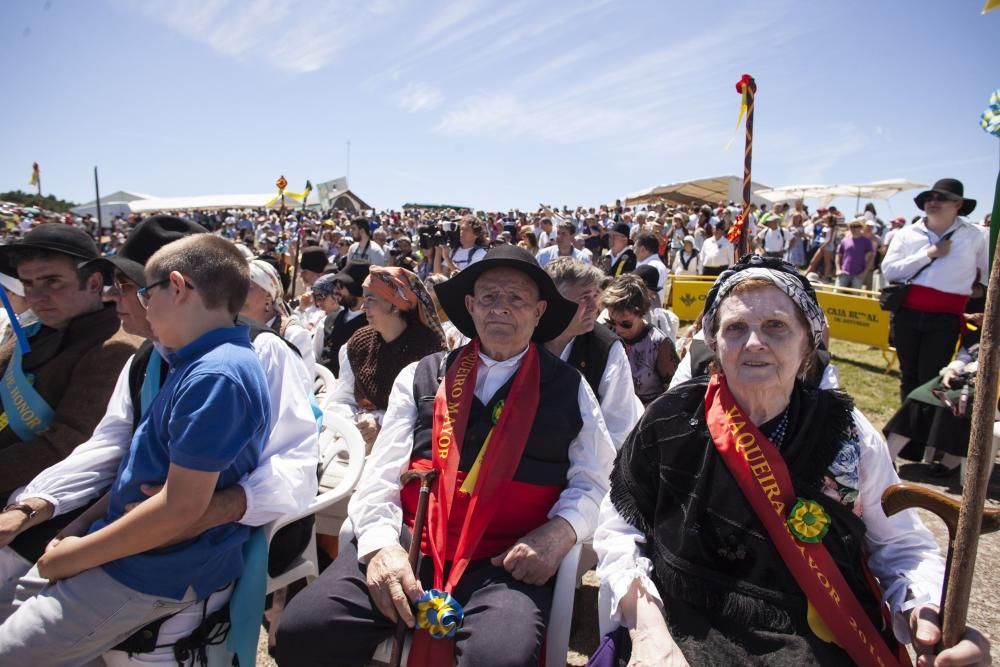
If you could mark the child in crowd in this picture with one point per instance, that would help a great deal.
(203, 431)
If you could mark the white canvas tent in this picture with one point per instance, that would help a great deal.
(116, 203)
(827, 193)
(215, 202)
(700, 191)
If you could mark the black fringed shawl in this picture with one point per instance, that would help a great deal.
(720, 577)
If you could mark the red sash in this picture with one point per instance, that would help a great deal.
(452, 406)
(763, 478)
(931, 300)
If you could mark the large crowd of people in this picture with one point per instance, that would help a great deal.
(159, 404)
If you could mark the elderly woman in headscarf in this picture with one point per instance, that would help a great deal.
(403, 327)
(326, 296)
(265, 306)
(744, 514)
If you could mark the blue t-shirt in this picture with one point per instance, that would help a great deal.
(213, 414)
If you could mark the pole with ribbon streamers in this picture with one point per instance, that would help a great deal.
(738, 233)
(966, 522)
(299, 233)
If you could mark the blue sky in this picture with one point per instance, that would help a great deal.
(492, 104)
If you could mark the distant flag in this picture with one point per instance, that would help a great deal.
(309, 187)
(36, 176)
(990, 120)
(301, 196)
(990, 5)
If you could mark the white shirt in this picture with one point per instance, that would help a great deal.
(466, 257)
(619, 404)
(902, 552)
(661, 268)
(284, 481)
(773, 240)
(964, 264)
(717, 252)
(694, 263)
(371, 252)
(546, 255)
(375, 508)
(310, 317)
(299, 336)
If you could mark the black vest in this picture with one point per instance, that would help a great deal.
(545, 461)
(590, 355)
(336, 332)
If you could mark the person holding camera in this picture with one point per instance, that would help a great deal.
(472, 244)
(364, 249)
(943, 257)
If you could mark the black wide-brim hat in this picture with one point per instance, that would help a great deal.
(353, 276)
(148, 236)
(451, 294)
(313, 259)
(50, 237)
(950, 188)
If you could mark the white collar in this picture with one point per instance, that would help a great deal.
(513, 361)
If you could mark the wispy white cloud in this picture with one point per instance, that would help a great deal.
(420, 97)
(293, 35)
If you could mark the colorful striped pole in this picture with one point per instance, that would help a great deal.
(748, 88)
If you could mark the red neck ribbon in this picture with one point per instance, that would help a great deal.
(452, 406)
(763, 477)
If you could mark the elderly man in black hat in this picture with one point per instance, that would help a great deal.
(58, 376)
(522, 454)
(620, 259)
(944, 258)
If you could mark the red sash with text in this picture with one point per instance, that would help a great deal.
(931, 300)
(763, 477)
(506, 443)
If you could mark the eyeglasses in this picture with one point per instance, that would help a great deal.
(142, 294)
(123, 286)
(621, 324)
(937, 196)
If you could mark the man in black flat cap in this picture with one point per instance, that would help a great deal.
(620, 258)
(523, 456)
(944, 258)
(54, 393)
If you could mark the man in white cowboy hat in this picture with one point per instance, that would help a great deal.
(523, 455)
(944, 257)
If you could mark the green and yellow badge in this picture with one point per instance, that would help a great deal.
(808, 521)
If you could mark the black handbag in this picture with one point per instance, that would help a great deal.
(893, 295)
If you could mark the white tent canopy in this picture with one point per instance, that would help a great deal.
(700, 191)
(216, 202)
(827, 193)
(116, 203)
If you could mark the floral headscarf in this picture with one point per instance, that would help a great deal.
(404, 290)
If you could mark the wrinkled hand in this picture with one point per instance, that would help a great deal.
(305, 300)
(392, 584)
(58, 561)
(940, 249)
(948, 377)
(975, 319)
(974, 649)
(10, 526)
(535, 558)
(369, 428)
(654, 649)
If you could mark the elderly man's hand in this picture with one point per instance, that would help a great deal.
(974, 649)
(940, 249)
(535, 558)
(392, 584)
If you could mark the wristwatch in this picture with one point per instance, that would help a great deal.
(28, 510)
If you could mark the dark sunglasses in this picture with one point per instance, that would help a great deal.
(621, 324)
(937, 196)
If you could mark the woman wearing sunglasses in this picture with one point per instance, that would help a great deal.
(650, 352)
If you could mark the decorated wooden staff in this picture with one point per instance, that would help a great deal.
(971, 519)
(738, 233)
(426, 478)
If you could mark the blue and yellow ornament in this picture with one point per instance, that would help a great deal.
(439, 614)
(990, 120)
(808, 521)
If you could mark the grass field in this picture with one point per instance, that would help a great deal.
(862, 375)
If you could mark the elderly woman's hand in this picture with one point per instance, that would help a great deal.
(974, 649)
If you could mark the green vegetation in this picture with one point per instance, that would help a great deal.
(48, 202)
(863, 376)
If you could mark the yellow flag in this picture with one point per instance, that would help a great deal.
(990, 5)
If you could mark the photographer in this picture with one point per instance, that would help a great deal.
(472, 245)
(364, 249)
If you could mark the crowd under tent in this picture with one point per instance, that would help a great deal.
(700, 191)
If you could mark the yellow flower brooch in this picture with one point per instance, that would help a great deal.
(808, 521)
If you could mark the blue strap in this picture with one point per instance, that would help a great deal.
(15, 324)
(151, 383)
(246, 606)
(317, 412)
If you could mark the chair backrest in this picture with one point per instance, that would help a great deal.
(323, 385)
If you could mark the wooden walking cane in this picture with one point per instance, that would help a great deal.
(966, 522)
(426, 478)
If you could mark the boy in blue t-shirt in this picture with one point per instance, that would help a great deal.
(204, 431)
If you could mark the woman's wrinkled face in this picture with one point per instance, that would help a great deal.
(761, 342)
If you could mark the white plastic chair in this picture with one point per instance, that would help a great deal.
(350, 441)
(560, 619)
(323, 385)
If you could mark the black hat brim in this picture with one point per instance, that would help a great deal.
(968, 205)
(133, 270)
(451, 295)
(9, 252)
